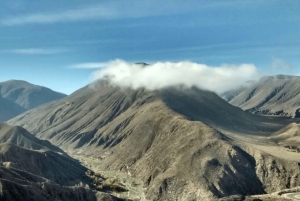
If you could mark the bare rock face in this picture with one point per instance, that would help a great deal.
(276, 173)
(184, 143)
(17, 96)
(272, 95)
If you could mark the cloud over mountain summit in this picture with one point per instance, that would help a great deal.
(164, 74)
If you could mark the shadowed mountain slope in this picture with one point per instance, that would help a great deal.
(45, 164)
(172, 139)
(272, 95)
(32, 175)
(33, 169)
(22, 150)
(17, 96)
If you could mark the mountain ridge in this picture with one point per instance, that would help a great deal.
(270, 95)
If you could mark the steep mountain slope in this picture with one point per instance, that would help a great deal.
(17, 96)
(272, 95)
(173, 139)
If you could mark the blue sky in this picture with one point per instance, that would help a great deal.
(58, 43)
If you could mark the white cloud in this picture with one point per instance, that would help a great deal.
(91, 65)
(164, 74)
(35, 51)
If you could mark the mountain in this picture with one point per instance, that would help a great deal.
(17, 96)
(9, 109)
(183, 143)
(33, 169)
(271, 95)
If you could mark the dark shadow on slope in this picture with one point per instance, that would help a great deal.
(208, 107)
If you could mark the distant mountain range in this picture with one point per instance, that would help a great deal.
(18, 96)
(271, 95)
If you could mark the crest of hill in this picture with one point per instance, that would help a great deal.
(271, 95)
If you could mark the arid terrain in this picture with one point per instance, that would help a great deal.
(176, 143)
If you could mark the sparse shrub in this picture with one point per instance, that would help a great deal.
(134, 183)
(112, 184)
(99, 187)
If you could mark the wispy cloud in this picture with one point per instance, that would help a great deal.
(93, 12)
(119, 9)
(35, 51)
(199, 48)
(91, 65)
